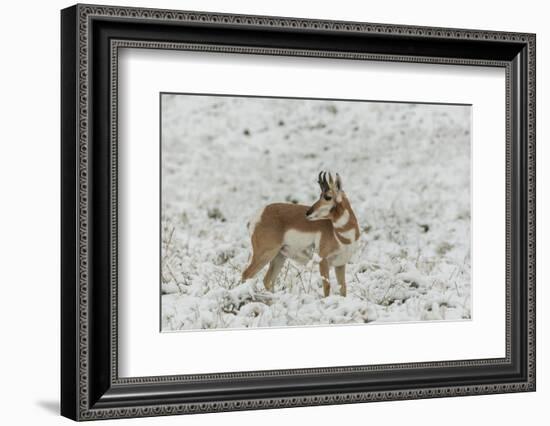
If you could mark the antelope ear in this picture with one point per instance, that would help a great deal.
(339, 197)
(338, 182)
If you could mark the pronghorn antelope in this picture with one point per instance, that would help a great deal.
(329, 228)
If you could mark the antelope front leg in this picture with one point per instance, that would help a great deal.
(341, 277)
(324, 269)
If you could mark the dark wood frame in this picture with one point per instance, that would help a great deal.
(91, 37)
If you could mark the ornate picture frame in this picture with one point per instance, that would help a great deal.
(91, 37)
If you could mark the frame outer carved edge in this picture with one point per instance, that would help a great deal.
(82, 173)
(531, 213)
(84, 13)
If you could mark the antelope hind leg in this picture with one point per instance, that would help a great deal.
(257, 262)
(275, 267)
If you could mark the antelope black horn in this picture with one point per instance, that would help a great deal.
(322, 181)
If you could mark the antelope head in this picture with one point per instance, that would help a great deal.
(331, 196)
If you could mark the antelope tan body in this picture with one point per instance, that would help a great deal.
(280, 231)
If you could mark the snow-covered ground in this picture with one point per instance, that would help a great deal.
(405, 169)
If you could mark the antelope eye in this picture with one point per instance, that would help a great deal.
(327, 197)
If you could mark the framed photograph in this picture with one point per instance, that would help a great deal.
(263, 212)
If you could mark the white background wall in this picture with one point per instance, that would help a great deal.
(29, 210)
